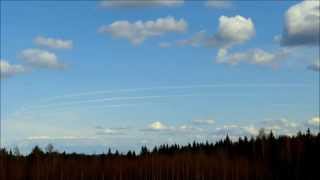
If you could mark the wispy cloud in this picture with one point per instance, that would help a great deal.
(280, 126)
(219, 4)
(254, 56)
(203, 121)
(196, 40)
(158, 132)
(140, 3)
(101, 131)
(139, 31)
(41, 59)
(53, 42)
(8, 70)
(45, 137)
(234, 130)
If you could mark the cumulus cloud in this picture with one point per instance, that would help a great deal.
(165, 129)
(315, 66)
(251, 130)
(314, 121)
(252, 56)
(41, 58)
(219, 4)
(203, 121)
(157, 125)
(231, 31)
(140, 3)
(137, 32)
(53, 43)
(302, 24)
(8, 70)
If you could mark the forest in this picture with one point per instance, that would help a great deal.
(265, 157)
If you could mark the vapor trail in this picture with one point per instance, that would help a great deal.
(66, 104)
(106, 99)
(90, 93)
(67, 97)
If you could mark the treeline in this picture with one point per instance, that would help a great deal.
(264, 157)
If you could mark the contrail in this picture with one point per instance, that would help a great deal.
(105, 100)
(172, 87)
(66, 97)
(66, 104)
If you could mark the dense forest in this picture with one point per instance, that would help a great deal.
(264, 157)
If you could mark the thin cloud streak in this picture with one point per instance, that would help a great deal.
(101, 100)
(45, 103)
(110, 99)
(91, 93)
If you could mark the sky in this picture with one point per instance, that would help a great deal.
(90, 75)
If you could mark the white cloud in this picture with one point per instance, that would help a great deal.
(282, 123)
(314, 121)
(302, 24)
(140, 3)
(315, 66)
(8, 70)
(53, 43)
(252, 56)
(108, 131)
(41, 58)
(219, 4)
(111, 131)
(231, 31)
(157, 125)
(231, 130)
(137, 32)
(188, 129)
(251, 130)
(58, 138)
(165, 129)
(281, 126)
(203, 121)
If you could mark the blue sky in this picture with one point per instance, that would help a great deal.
(86, 75)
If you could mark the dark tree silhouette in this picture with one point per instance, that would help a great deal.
(265, 157)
